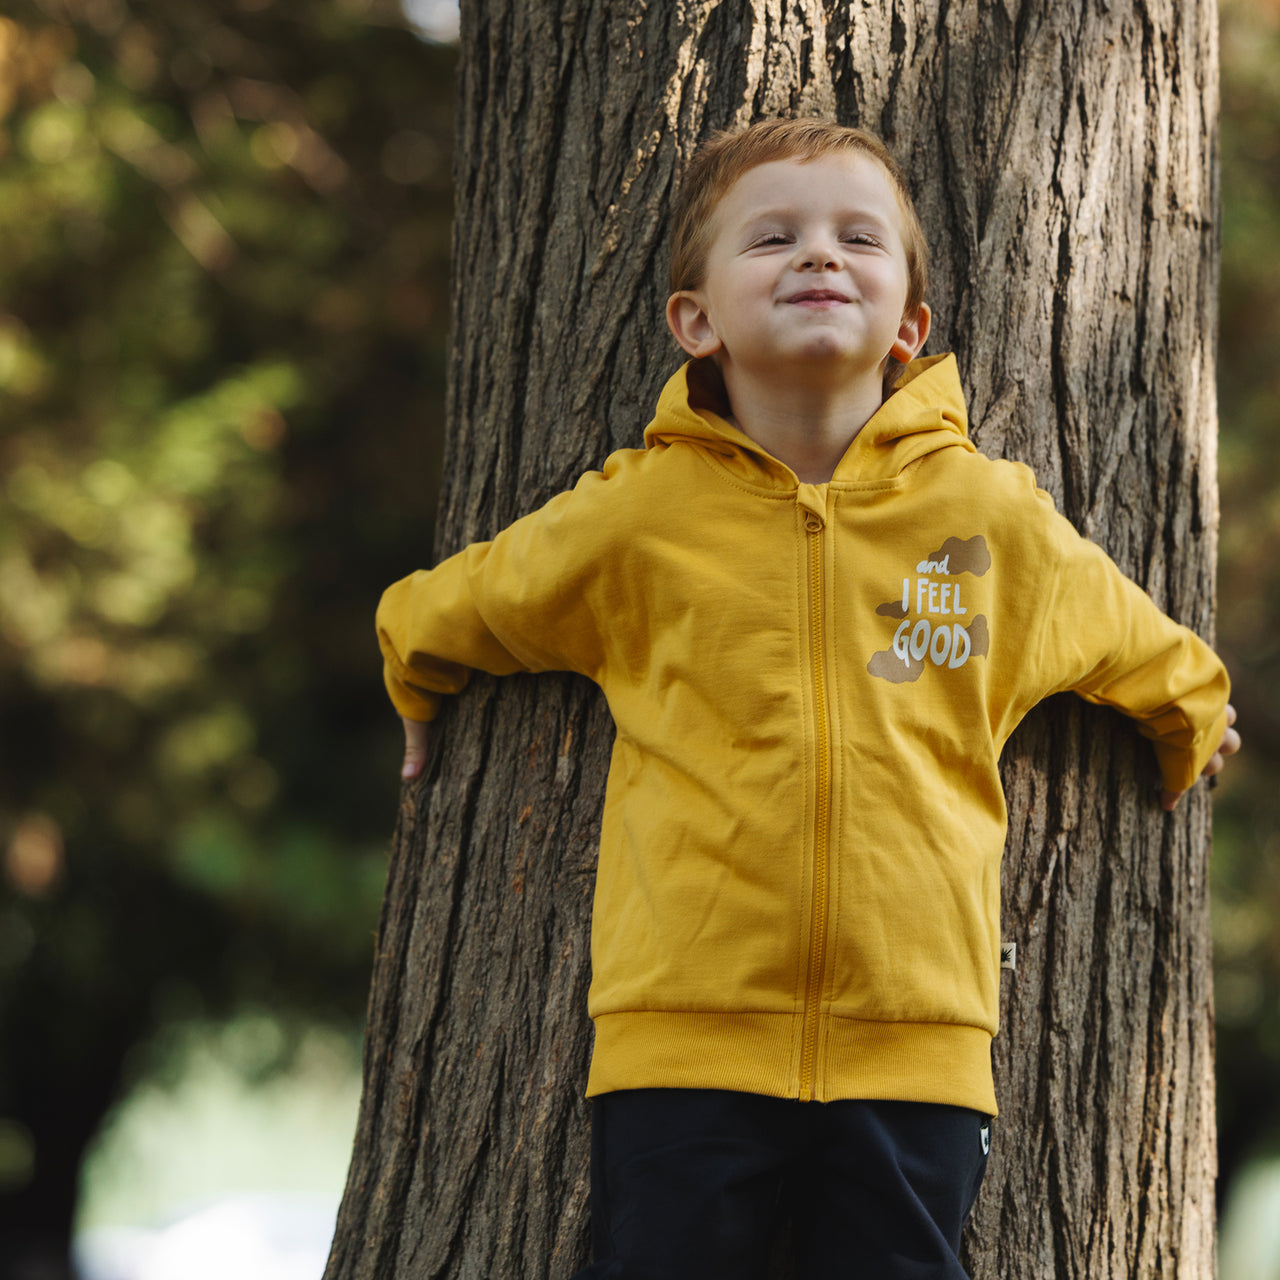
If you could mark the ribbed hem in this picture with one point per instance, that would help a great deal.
(760, 1053)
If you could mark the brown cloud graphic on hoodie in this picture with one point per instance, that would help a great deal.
(967, 556)
(894, 609)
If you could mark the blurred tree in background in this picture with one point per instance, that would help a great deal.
(223, 245)
(1246, 870)
(223, 248)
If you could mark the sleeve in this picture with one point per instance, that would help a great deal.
(532, 599)
(1103, 637)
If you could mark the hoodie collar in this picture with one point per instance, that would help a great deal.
(925, 413)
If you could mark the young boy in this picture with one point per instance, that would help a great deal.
(817, 614)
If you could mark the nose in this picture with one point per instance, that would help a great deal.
(817, 253)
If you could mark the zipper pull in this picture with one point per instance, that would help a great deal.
(812, 500)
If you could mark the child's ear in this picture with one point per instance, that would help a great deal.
(912, 333)
(688, 320)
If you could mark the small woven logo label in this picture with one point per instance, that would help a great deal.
(1008, 955)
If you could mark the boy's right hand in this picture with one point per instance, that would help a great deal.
(415, 746)
(1229, 745)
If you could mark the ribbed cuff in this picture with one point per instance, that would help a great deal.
(1181, 766)
(411, 703)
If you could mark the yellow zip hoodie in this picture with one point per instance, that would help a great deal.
(798, 887)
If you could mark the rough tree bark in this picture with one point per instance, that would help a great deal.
(1063, 156)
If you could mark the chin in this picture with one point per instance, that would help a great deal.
(833, 353)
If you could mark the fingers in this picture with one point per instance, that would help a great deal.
(1231, 739)
(1169, 799)
(1229, 745)
(415, 747)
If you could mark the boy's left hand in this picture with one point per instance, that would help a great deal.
(1229, 745)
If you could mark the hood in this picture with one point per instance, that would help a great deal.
(924, 413)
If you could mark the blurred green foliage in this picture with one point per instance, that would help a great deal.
(224, 234)
(1246, 866)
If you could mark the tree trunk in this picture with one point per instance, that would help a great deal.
(1064, 161)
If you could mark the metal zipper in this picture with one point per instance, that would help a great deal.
(814, 525)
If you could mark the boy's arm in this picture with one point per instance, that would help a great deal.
(1104, 638)
(529, 600)
(433, 634)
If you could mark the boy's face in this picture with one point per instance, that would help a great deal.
(806, 269)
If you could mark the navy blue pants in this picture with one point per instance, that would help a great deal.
(693, 1184)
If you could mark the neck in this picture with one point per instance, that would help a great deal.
(808, 424)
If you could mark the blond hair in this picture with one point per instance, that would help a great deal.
(727, 155)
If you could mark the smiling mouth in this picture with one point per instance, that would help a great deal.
(816, 297)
